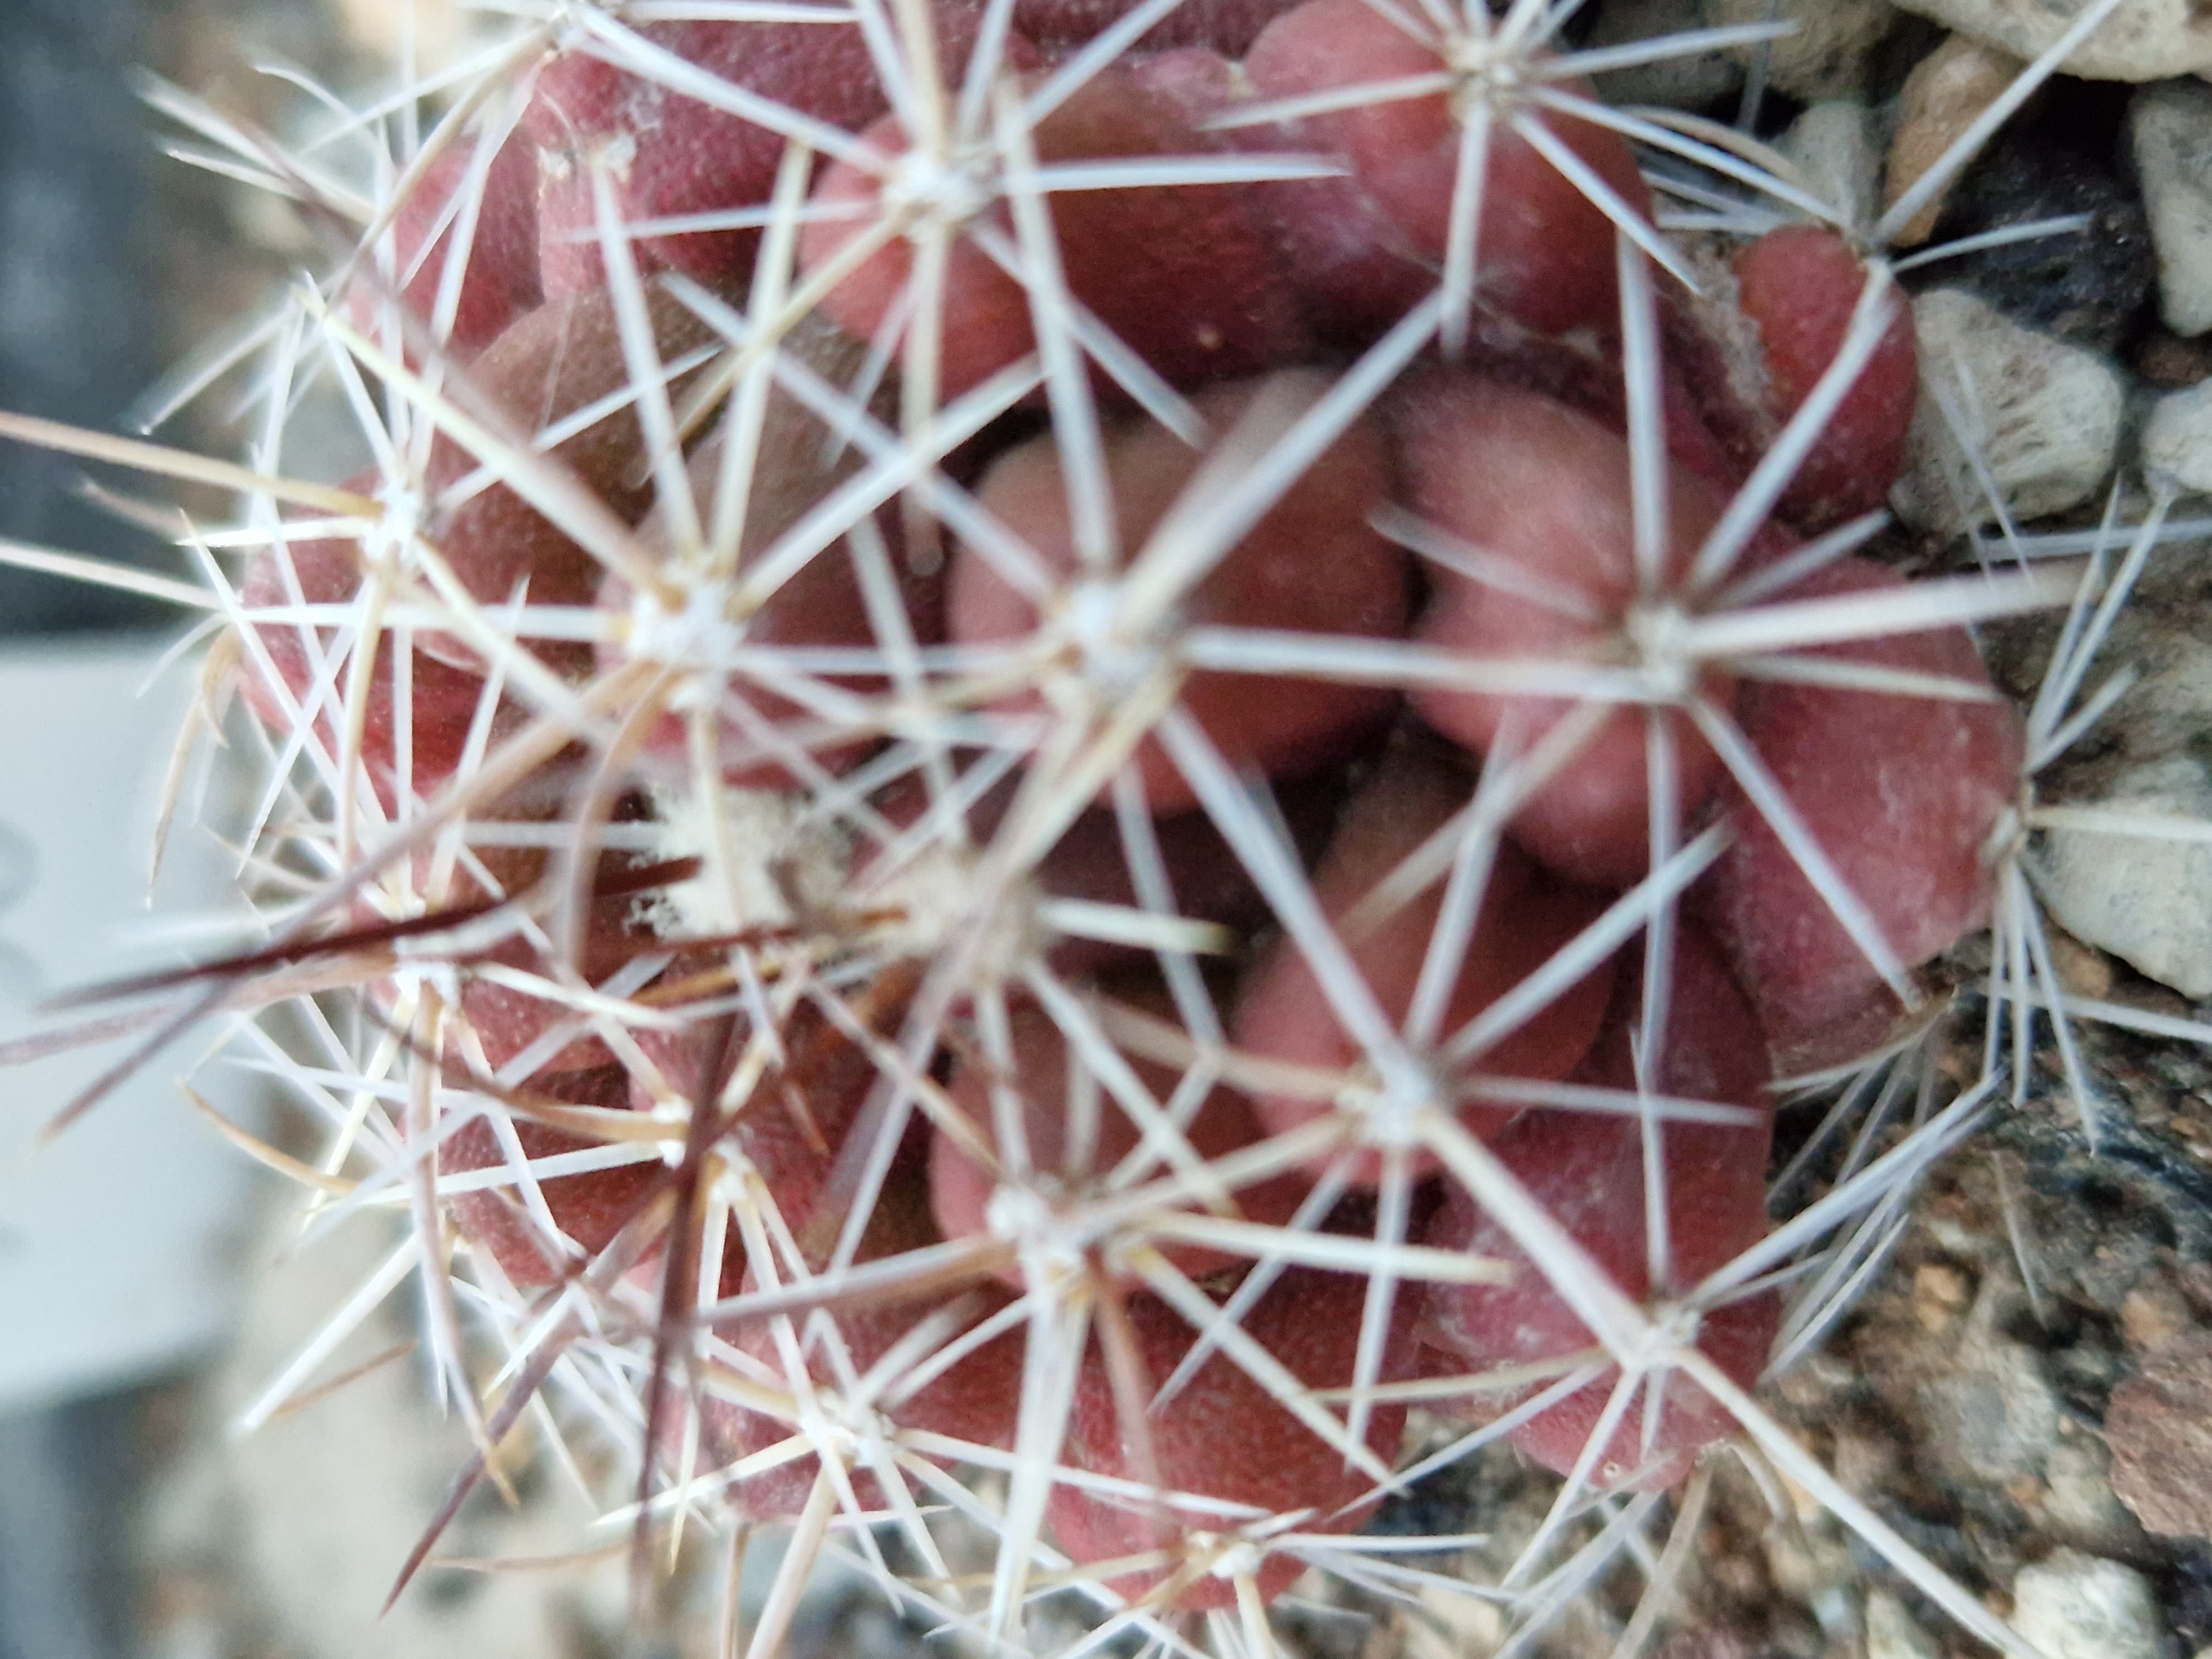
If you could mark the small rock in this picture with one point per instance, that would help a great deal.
(2044, 416)
(1940, 1295)
(1891, 1632)
(2093, 287)
(1996, 1417)
(2159, 1426)
(1864, 1464)
(2147, 900)
(2144, 40)
(1828, 55)
(1704, 1644)
(2084, 971)
(2177, 439)
(2155, 1313)
(2079, 1503)
(1833, 145)
(1690, 82)
(2171, 363)
(2171, 127)
(2073, 1605)
(2169, 708)
(1945, 93)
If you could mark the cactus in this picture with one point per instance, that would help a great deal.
(1060, 748)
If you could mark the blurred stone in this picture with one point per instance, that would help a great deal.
(2144, 40)
(2177, 439)
(2044, 416)
(1891, 1632)
(2171, 363)
(2073, 1605)
(2147, 900)
(2092, 287)
(1940, 1295)
(2159, 1426)
(2079, 1502)
(1688, 82)
(1994, 1415)
(2169, 708)
(2155, 1313)
(1833, 145)
(2171, 129)
(1944, 95)
(1828, 55)
(2083, 969)
(434, 33)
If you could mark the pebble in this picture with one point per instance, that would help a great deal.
(2079, 1503)
(1692, 83)
(2084, 970)
(2095, 287)
(2170, 708)
(1829, 54)
(1945, 93)
(2170, 363)
(1891, 1632)
(2147, 901)
(2177, 439)
(2170, 127)
(1834, 146)
(2045, 417)
(1995, 1413)
(2144, 40)
(2159, 1425)
(2073, 1605)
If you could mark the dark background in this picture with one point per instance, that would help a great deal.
(81, 330)
(81, 335)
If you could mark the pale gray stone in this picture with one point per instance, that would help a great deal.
(1685, 83)
(2177, 439)
(2169, 708)
(1836, 147)
(1892, 1633)
(2171, 127)
(2043, 416)
(1995, 1413)
(2146, 899)
(2073, 1605)
(1827, 55)
(2144, 40)
(2079, 1502)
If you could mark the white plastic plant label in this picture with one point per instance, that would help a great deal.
(115, 1237)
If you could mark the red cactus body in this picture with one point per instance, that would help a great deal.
(1903, 793)
(1544, 248)
(1183, 273)
(1225, 1437)
(1285, 1015)
(1312, 565)
(1546, 489)
(1588, 1170)
(501, 282)
(1800, 285)
(1076, 755)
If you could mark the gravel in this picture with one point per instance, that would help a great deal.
(2144, 40)
(2045, 417)
(2170, 127)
